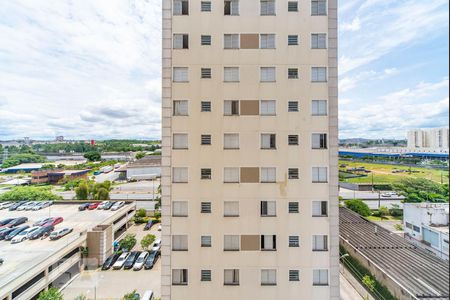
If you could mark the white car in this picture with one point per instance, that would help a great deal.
(120, 261)
(32, 205)
(24, 206)
(102, 205)
(140, 261)
(4, 205)
(118, 205)
(157, 246)
(24, 235)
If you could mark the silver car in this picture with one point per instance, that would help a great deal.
(139, 264)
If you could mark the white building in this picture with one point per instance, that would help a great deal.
(428, 224)
(433, 139)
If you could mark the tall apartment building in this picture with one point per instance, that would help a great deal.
(431, 139)
(249, 179)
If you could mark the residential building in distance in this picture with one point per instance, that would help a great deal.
(428, 224)
(433, 139)
(250, 150)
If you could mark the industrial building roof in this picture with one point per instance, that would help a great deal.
(419, 272)
(146, 162)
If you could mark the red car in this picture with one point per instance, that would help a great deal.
(94, 206)
(54, 222)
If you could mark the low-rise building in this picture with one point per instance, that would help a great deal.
(428, 223)
(431, 138)
(56, 176)
(147, 168)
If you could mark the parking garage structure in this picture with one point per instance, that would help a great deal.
(35, 265)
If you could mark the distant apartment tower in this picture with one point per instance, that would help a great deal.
(249, 150)
(60, 138)
(432, 139)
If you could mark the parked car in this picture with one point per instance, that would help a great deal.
(15, 232)
(17, 222)
(108, 205)
(41, 232)
(93, 206)
(5, 232)
(157, 246)
(56, 235)
(5, 221)
(140, 261)
(131, 259)
(54, 221)
(43, 221)
(23, 235)
(110, 261)
(149, 225)
(1, 261)
(102, 205)
(16, 205)
(33, 205)
(84, 206)
(24, 206)
(148, 295)
(120, 261)
(118, 205)
(4, 204)
(151, 260)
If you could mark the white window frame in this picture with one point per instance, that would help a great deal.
(231, 141)
(180, 243)
(317, 108)
(180, 175)
(180, 108)
(231, 175)
(180, 209)
(319, 41)
(180, 277)
(268, 107)
(180, 141)
(231, 41)
(231, 74)
(320, 174)
(270, 207)
(231, 243)
(268, 7)
(231, 208)
(319, 74)
(268, 74)
(268, 175)
(320, 277)
(268, 277)
(267, 41)
(180, 74)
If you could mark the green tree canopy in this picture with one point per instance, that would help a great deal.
(93, 156)
(418, 190)
(128, 242)
(359, 207)
(147, 241)
(50, 294)
(22, 158)
(32, 193)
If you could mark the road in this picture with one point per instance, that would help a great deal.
(371, 198)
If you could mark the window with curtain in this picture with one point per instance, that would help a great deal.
(231, 140)
(231, 175)
(180, 74)
(268, 175)
(320, 208)
(269, 242)
(231, 41)
(268, 107)
(267, 7)
(320, 243)
(179, 243)
(180, 108)
(180, 141)
(267, 41)
(231, 243)
(268, 208)
(180, 175)
(180, 209)
(231, 277)
(320, 277)
(319, 41)
(268, 74)
(231, 209)
(180, 277)
(320, 174)
(319, 74)
(319, 107)
(268, 277)
(231, 74)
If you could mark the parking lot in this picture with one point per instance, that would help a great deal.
(112, 284)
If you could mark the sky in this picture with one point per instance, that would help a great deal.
(90, 69)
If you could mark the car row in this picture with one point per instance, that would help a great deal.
(105, 205)
(25, 205)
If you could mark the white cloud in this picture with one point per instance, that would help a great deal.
(355, 25)
(348, 83)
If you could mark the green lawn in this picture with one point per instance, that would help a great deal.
(383, 173)
(387, 218)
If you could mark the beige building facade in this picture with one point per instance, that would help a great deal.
(431, 139)
(249, 160)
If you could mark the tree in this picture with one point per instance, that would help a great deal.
(359, 207)
(147, 241)
(31, 193)
(50, 294)
(418, 190)
(22, 158)
(141, 213)
(82, 191)
(383, 211)
(140, 155)
(131, 296)
(102, 194)
(93, 156)
(80, 297)
(128, 242)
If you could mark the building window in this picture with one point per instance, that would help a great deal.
(206, 207)
(409, 225)
(267, 41)
(268, 175)
(180, 7)
(206, 73)
(319, 107)
(206, 40)
(268, 108)
(180, 209)
(268, 141)
(206, 106)
(293, 173)
(268, 242)
(268, 209)
(319, 141)
(205, 275)
(179, 243)
(231, 7)
(294, 275)
(267, 7)
(320, 277)
(292, 6)
(320, 175)
(292, 40)
(318, 7)
(231, 141)
(180, 108)
(268, 277)
(180, 74)
(294, 207)
(231, 108)
(206, 6)
(180, 175)
(231, 277)
(293, 73)
(231, 209)
(293, 106)
(320, 243)
(206, 174)
(416, 228)
(319, 41)
(319, 74)
(231, 74)
(231, 41)
(206, 140)
(231, 175)
(293, 140)
(320, 208)
(294, 241)
(268, 74)
(180, 41)
(180, 141)
(231, 243)
(180, 277)
(206, 241)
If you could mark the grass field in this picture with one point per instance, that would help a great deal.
(383, 173)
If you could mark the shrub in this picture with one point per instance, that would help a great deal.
(141, 213)
(128, 242)
(31, 193)
(147, 241)
(50, 294)
(359, 207)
